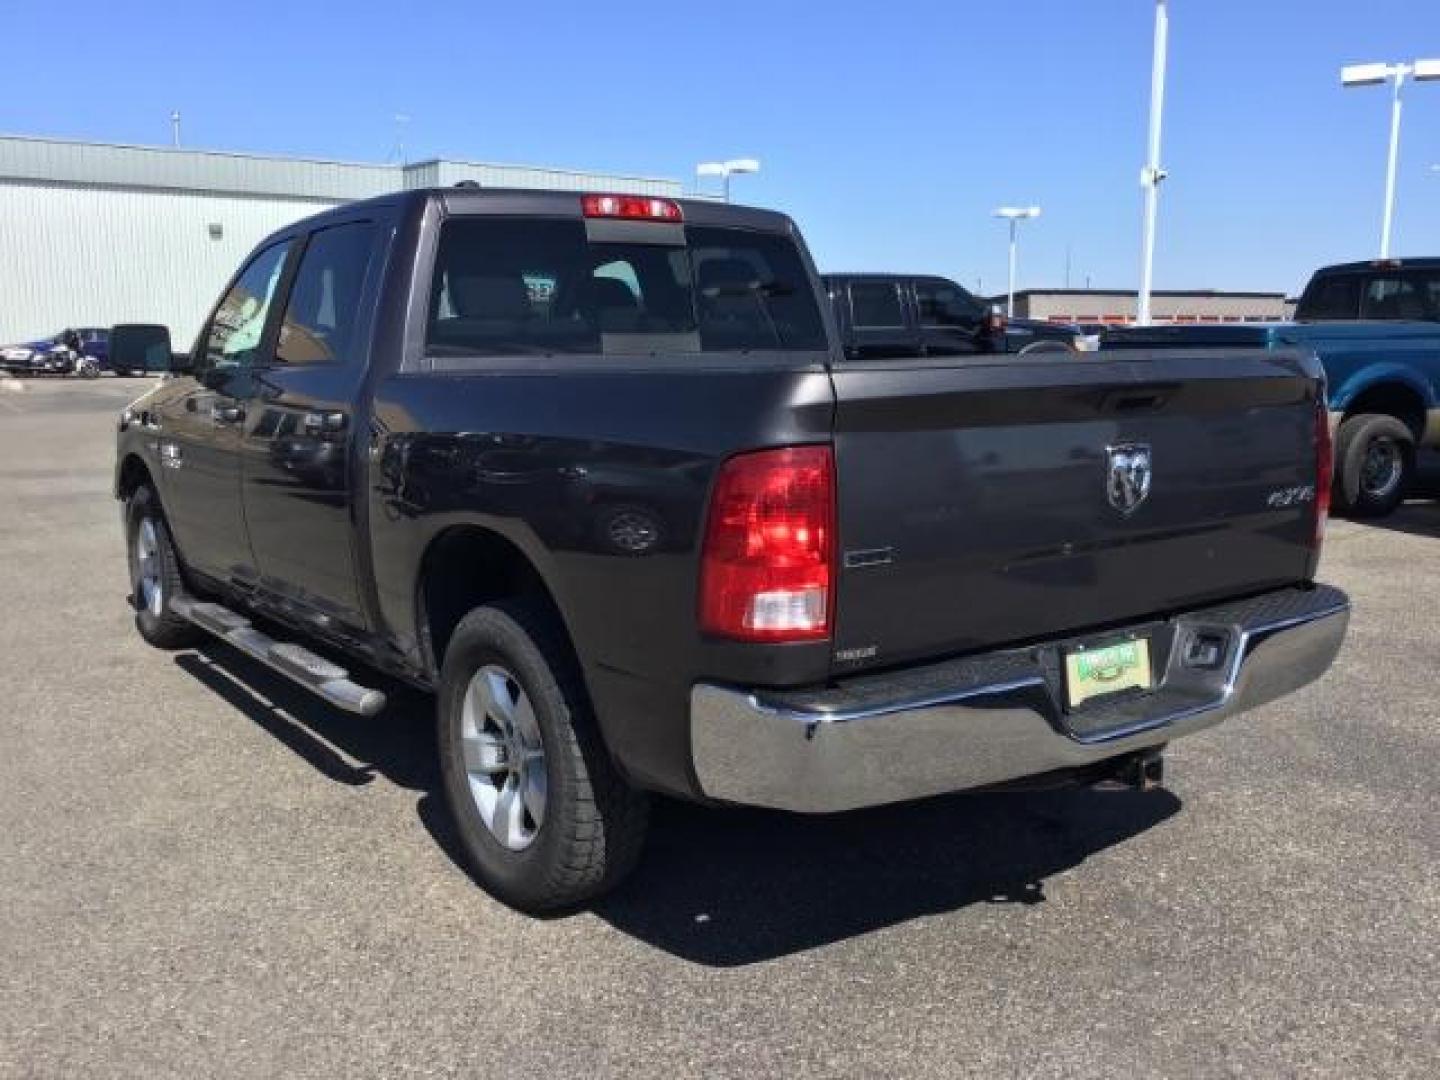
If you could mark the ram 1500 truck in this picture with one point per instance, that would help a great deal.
(1384, 380)
(595, 470)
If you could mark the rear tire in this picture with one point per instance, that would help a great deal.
(1374, 464)
(544, 818)
(155, 575)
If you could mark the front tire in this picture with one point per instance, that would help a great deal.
(155, 575)
(544, 818)
(1375, 460)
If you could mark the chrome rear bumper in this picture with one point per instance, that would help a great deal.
(996, 718)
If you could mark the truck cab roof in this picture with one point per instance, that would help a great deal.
(545, 202)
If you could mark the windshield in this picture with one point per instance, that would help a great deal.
(508, 286)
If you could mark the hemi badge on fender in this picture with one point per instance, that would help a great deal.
(857, 560)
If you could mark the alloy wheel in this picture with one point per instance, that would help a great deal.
(149, 583)
(504, 757)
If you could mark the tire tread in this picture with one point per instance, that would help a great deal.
(167, 630)
(608, 820)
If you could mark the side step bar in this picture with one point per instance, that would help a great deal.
(295, 662)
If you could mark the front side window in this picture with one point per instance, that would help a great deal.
(943, 305)
(320, 317)
(234, 336)
(876, 306)
(516, 286)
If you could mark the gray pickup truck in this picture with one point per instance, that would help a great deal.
(597, 472)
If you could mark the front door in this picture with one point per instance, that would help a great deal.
(201, 417)
(952, 321)
(300, 430)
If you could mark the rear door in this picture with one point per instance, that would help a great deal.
(881, 319)
(201, 423)
(300, 427)
(992, 501)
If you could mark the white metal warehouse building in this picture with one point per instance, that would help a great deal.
(94, 234)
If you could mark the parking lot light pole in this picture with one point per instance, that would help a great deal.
(727, 169)
(1395, 74)
(1014, 215)
(1152, 174)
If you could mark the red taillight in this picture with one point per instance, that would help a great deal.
(767, 569)
(632, 207)
(1324, 467)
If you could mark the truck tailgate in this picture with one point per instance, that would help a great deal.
(975, 497)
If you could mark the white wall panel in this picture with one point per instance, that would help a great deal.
(95, 256)
(94, 234)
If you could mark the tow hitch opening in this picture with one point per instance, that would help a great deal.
(1142, 771)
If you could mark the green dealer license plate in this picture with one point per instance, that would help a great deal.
(1106, 669)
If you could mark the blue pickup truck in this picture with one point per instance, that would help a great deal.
(1382, 361)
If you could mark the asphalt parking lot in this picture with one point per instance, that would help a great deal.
(204, 871)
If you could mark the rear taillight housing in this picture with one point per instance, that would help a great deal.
(1324, 467)
(767, 569)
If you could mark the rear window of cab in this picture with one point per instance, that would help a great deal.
(520, 286)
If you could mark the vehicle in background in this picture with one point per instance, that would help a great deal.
(57, 355)
(596, 470)
(1385, 290)
(48, 356)
(1384, 389)
(1093, 333)
(885, 316)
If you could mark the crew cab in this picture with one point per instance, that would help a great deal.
(597, 472)
(1375, 291)
(1375, 327)
(899, 315)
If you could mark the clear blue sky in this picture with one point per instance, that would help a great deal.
(889, 130)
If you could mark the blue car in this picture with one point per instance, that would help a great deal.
(57, 355)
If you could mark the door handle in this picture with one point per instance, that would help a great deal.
(322, 423)
(227, 414)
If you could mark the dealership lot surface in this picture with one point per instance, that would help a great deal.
(205, 871)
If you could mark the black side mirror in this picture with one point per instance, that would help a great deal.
(141, 347)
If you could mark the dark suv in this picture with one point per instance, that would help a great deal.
(898, 315)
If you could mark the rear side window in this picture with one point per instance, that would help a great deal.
(517, 286)
(319, 326)
(876, 306)
(1334, 297)
(1392, 297)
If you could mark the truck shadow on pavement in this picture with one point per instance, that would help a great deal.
(727, 888)
(1415, 518)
